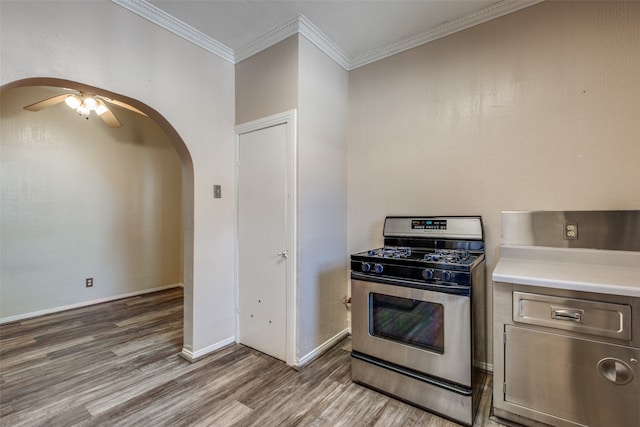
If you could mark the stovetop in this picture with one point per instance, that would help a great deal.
(461, 257)
(446, 259)
(426, 249)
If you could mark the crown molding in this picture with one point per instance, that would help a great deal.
(488, 13)
(298, 25)
(324, 43)
(302, 25)
(179, 28)
(267, 40)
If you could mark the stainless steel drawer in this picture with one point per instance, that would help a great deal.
(580, 381)
(571, 314)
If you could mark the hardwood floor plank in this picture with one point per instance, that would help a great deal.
(225, 413)
(356, 406)
(118, 364)
(36, 352)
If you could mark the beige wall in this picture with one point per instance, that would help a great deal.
(294, 74)
(267, 82)
(322, 197)
(82, 200)
(186, 88)
(535, 110)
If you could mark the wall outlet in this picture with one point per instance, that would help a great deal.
(570, 231)
(89, 282)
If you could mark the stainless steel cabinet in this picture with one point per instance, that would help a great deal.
(583, 381)
(565, 358)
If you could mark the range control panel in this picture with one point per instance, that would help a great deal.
(428, 224)
(446, 227)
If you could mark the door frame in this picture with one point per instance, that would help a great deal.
(288, 118)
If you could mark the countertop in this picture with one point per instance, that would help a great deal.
(588, 270)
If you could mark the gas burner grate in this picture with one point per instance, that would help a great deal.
(391, 252)
(449, 256)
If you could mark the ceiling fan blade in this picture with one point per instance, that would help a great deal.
(37, 106)
(109, 118)
(123, 105)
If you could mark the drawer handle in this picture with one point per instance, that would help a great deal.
(569, 314)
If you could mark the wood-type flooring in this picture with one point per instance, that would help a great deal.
(118, 364)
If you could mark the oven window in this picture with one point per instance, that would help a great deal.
(408, 321)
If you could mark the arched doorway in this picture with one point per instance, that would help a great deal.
(86, 183)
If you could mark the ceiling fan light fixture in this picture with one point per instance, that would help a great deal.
(83, 111)
(84, 103)
(101, 108)
(90, 103)
(73, 101)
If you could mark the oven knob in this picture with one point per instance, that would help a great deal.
(447, 276)
(365, 266)
(427, 274)
(378, 268)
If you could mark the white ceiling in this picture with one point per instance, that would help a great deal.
(353, 32)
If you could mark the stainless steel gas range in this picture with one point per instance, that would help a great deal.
(418, 318)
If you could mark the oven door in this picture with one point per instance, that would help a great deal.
(424, 330)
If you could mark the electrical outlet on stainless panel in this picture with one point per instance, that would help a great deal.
(613, 230)
(570, 231)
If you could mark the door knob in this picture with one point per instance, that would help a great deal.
(284, 253)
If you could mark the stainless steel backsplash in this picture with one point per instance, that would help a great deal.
(612, 230)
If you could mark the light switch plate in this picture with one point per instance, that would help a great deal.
(217, 191)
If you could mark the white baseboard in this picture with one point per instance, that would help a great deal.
(192, 356)
(24, 316)
(318, 351)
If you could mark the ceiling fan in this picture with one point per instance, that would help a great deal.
(84, 103)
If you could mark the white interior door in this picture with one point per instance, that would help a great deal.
(262, 240)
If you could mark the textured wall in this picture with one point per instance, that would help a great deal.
(295, 74)
(267, 83)
(535, 110)
(322, 155)
(189, 90)
(82, 200)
